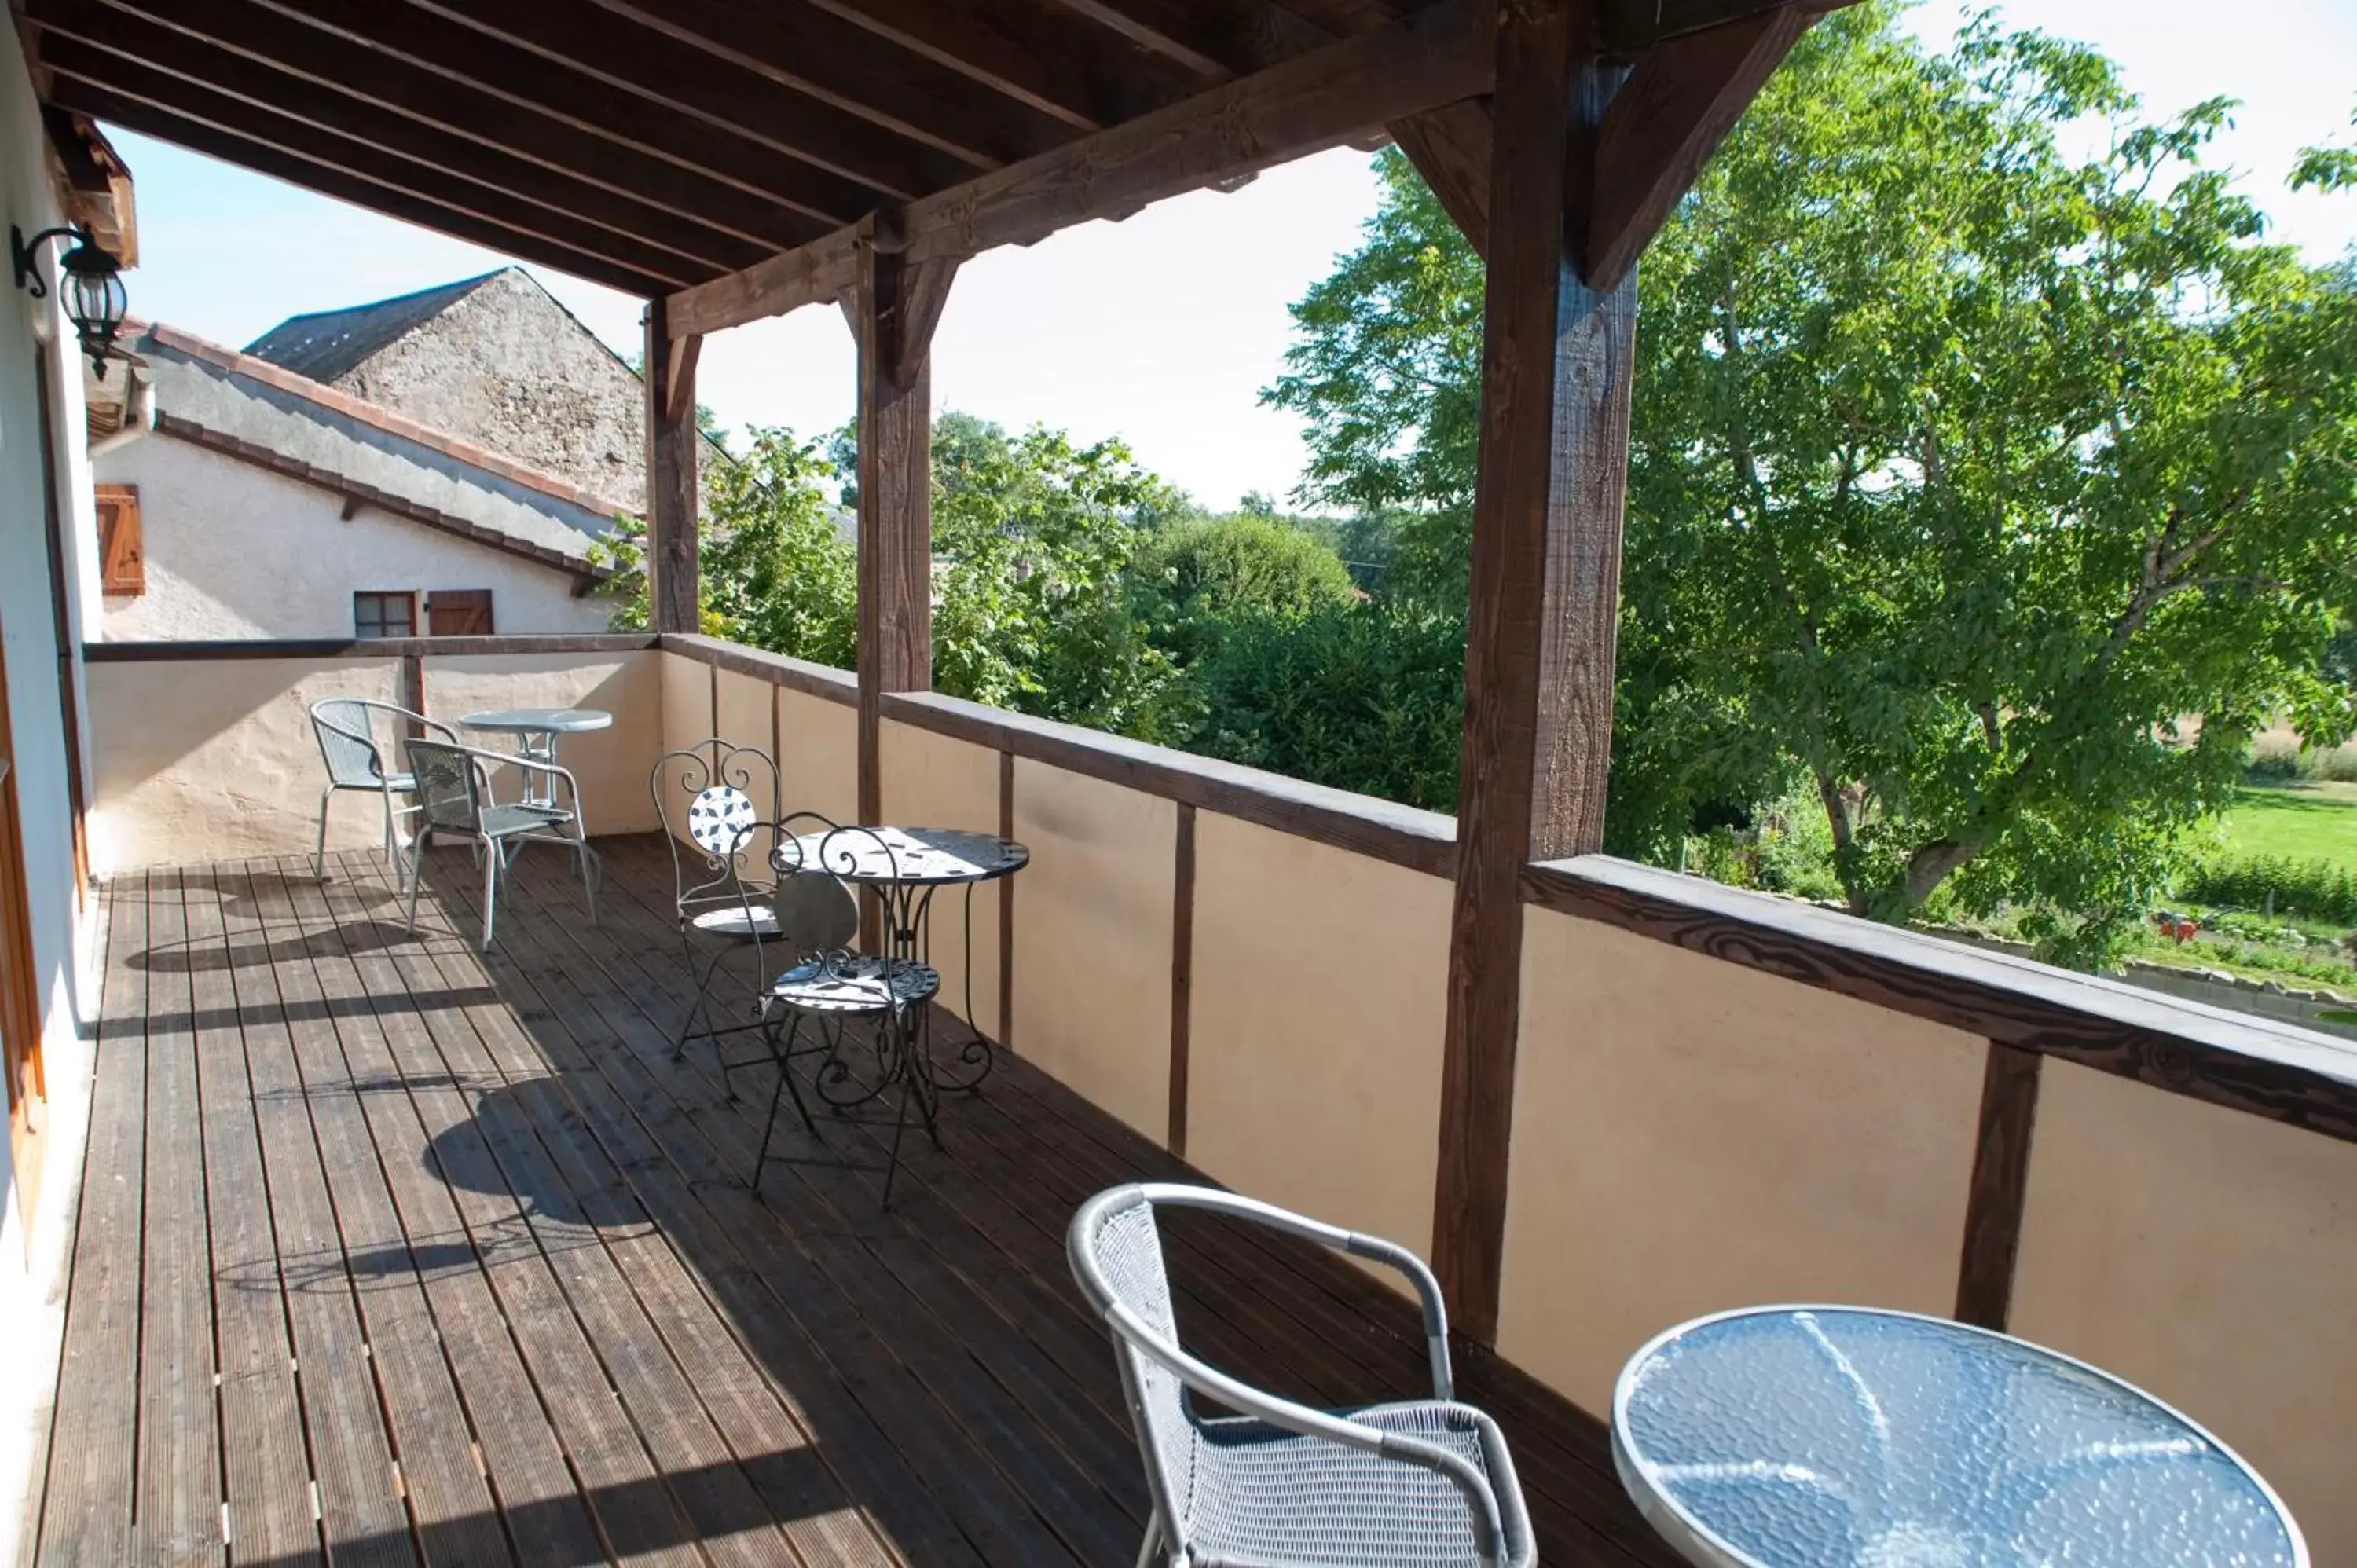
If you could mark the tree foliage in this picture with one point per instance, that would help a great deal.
(1962, 471)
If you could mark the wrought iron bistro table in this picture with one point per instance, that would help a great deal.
(1845, 1437)
(535, 731)
(905, 867)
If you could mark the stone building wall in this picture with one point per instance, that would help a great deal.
(508, 367)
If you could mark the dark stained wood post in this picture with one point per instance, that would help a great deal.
(673, 494)
(894, 307)
(1557, 370)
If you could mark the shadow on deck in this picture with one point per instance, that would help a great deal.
(396, 1252)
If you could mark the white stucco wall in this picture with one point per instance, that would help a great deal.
(32, 1245)
(234, 550)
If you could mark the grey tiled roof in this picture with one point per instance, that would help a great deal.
(327, 344)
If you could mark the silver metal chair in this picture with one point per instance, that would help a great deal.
(706, 795)
(1282, 1485)
(454, 798)
(345, 728)
(814, 917)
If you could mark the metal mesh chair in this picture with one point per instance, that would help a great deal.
(707, 796)
(454, 797)
(345, 728)
(1284, 1486)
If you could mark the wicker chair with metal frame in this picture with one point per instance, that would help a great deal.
(815, 916)
(345, 728)
(1416, 1484)
(455, 798)
(705, 796)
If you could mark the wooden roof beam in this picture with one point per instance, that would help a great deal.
(1319, 100)
(1629, 27)
(344, 185)
(1033, 51)
(661, 71)
(1213, 39)
(521, 79)
(365, 74)
(808, 48)
(163, 67)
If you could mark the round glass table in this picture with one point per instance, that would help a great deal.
(1846, 1437)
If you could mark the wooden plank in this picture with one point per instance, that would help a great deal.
(1629, 27)
(1663, 127)
(1451, 148)
(327, 178)
(1183, 975)
(1007, 907)
(437, 1477)
(1030, 51)
(1401, 835)
(517, 1450)
(177, 1507)
(86, 1506)
(323, 110)
(269, 1473)
(2000, 1186)
(361, 86)
(523, 84)
(1314, 101)
(1558, 365)
(776, 669)
(811, 50)
(673, 496)
(2262, 1065)
(657, 70)
(652, 249)
(365, 648)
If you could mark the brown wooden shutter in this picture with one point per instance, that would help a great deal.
(458, 612)
(122, 551)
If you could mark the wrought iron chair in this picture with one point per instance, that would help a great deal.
(813, 918)
(1419, 1483)
(706, 795)
(455, 798)
(345, 728)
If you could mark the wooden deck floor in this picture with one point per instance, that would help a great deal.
(391, 1252)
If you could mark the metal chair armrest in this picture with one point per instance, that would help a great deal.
(1480, 1498)
(1375, 1249)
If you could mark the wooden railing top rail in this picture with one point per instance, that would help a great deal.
(364, 647)
(2271, 1068)
(778, 669)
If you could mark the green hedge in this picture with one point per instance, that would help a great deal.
(2315, 889)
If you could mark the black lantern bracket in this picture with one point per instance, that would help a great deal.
(96, 300)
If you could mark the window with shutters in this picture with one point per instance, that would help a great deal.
(378, 614)
(458, 612)
(122, 552)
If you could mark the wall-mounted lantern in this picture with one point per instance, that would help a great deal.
(96, 300)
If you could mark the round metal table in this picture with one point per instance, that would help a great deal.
(535, 731)
(1847, 1437)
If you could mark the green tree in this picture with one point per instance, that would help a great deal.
(1208, 572)
(1962, 472)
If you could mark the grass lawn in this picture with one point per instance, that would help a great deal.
(2315, 822)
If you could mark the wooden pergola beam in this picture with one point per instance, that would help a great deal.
(673, 592)
(354, 87)
(806, 48)
(446, 183)
(1434, 57)
(329, 179)
(1626, 28)
(1679, 105)
(523, 80)
(163, 67)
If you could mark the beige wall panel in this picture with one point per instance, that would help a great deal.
(1314, 1041)
(746, 719)
(818, 746)
(933, 781)
(686, 702)
(611, 765)
(1092, 940)
(215, 760)
(1691, 1135)
(2209, 1256)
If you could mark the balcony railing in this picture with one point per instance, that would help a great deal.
(1718, 1098)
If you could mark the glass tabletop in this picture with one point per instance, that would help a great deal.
(1844, 1437)
(544, 721)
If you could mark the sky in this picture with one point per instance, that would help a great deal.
(1162, 329)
